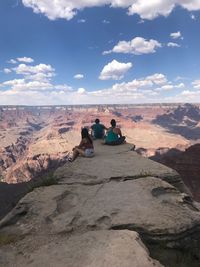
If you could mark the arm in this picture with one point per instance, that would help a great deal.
(81, 143)
(119, 132)
(105, 128)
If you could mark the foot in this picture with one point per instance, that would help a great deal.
(133, 148)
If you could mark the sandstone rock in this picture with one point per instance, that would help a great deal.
(116, 163)
(116, 190)
(187, 163)
(92, 249)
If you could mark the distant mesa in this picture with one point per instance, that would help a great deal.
(64, 130)
(184, 120)
(137, 118)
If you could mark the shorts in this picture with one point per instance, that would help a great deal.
(89, 152)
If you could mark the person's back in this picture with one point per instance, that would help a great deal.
(114, 135)
(98, 129)
(111, 136)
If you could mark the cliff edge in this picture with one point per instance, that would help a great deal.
(105, 211)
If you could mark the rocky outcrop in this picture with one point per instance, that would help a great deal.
(184, 121)
(90, 218)
(186, 163)
(95, 248)
(31, 167)
(10, 154)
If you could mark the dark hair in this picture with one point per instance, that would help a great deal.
(85, 134)
(113, 122)
(97, 121)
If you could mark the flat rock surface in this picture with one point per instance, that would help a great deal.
(110, 162)
(72, 223)
(92, 249)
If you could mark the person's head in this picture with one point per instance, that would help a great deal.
(85, 134)
(97, 121)
(113, 123)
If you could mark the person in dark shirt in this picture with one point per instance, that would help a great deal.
(98, 130)
(85, 148)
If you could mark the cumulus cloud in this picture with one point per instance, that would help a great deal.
(12, 61)
(157, 78)
(106, 21)
(196, 84)
(180, 85)
(81, 20)
(34, 78)
(79, 76)
(67, 9)
(25, 59)
(175, 35)
(23, 85)
(171, 44)
(167, 87)
(191, 95)
(37, 72)
(81, 90)
(115, 70)
(136, 46)
(6, 70)
(142, 90)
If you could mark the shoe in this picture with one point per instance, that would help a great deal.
(133, 148)
(70, 160)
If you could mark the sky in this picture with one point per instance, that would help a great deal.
(64, 52)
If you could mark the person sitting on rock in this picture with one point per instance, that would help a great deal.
(85, 148)
(114, 135)
(98, 130)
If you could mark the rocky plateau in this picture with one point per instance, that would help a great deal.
(115, 209)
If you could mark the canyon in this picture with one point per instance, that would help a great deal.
(38, 140)
(119, 208)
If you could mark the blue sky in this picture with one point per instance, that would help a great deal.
(99, 51)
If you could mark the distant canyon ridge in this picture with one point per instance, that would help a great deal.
(36, 140)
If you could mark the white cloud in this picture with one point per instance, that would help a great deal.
(22, 84)
(12, 61)
(25, 59)
(180, 85)
(35, 78)
(136, 46)
(167, 87)
(6, 70)
(175, 35)
(79, 76)
(196, 84)
(37, 72)
(190, 95)
(171, 44)
(81, 21)
(81, 91)
(106, 21)
(157, 78)
(152, 9)
(143, 90)
(67, 9)
(114, 70)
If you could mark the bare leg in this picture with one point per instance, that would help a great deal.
(77, 152)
